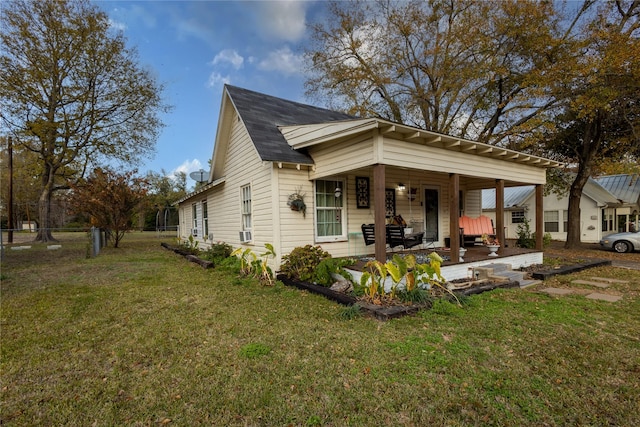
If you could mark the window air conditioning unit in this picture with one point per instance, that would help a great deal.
(194, 232)
(245, 236)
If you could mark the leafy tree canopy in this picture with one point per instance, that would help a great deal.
(73, 93)
(111, 199)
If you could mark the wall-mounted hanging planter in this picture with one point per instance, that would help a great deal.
(296, 203)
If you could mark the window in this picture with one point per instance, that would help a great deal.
(330, 223)
(551, 221)
(205, 220)
(194, 216)
(246, 207)
(565, 220)
(517, 217)
(607, 219)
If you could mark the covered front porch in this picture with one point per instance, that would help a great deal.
(428, 178)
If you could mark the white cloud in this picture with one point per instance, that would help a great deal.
(216, 79)
(229, 56)
(187, 167)
(282, 60)
(118, 26)
(284, 19)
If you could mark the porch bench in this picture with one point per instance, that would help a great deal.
(473, 228)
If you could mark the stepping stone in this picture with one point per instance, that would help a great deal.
(20, 248)
(590, 283)
(604, 297)
(53, 247)
(556, 291)
(606, 279)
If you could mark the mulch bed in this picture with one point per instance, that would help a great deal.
(386, 312)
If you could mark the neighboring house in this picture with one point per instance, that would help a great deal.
(609, 204)
(350, 171)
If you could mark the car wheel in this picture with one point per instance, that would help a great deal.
(621, 246)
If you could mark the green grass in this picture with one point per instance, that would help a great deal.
(139, 336)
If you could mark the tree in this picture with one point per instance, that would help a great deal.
(25, 182)
(600, 121)
(164, 191)
(111, 199)
(472, 69)
(73, 93)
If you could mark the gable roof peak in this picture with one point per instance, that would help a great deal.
(262, 114)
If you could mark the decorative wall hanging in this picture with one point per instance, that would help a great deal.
(296, 202)
(390, 202)
(362, 192)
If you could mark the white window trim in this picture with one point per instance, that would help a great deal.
(336, 238)
(244, 214)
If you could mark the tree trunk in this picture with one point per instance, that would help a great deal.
(44, 210)
(573, 220)
(592, 140)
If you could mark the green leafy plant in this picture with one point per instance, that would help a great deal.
(254, 266)
(217, 252)
(189, 245)
(302, 262)
(323, 274)
(527, 238)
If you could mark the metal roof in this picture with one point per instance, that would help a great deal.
(624, 187)
(262, 114)
(513, 197)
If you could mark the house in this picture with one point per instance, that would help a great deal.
(348, 171)
(609, 204)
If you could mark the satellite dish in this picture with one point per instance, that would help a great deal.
(200, 176)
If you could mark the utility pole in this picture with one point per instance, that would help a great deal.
(10, 207)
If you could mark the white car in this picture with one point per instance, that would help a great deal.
(622, 242)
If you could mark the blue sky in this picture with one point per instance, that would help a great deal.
(195, 47)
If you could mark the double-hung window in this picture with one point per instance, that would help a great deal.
(551, 219)
(194, 216)
(205, 220)
(517, 217)
(330, 214)
(245, 194)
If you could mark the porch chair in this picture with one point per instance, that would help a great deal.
(396, 237)
(368, 233)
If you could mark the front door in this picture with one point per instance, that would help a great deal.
(431, 209)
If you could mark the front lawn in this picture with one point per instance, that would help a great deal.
(140, 336)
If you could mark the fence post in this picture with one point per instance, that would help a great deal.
(95, 241)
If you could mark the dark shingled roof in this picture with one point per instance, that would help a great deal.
(262, 114)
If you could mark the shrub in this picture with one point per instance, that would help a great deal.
(217, 252)
(302, 262)
(527, 238)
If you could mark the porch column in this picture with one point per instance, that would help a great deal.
(380, 229)
(539, 216)
(500, 212)
(454, 213)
